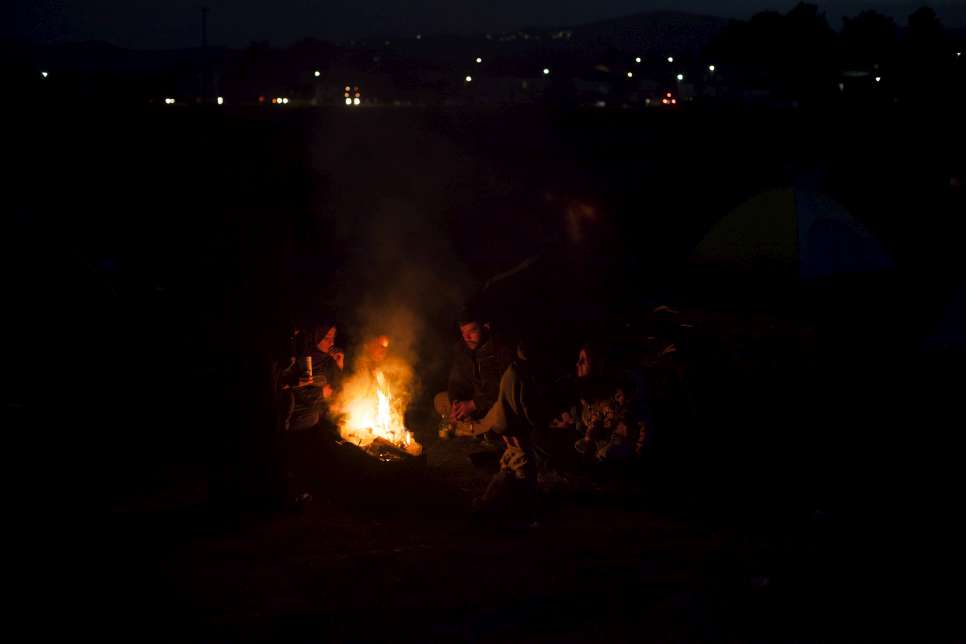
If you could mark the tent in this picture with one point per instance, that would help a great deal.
(792, 228)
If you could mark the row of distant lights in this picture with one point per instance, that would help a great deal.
(469, 79)
(220, 99)
(546, 72)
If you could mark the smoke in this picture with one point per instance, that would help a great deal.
(387, 209)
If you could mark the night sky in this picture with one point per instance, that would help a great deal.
(158, 24)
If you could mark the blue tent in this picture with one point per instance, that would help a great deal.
(950, 333)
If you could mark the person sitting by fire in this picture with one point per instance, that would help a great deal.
(374, 361)
(328, 360)
(514, 416)
(312, 395)
(611, 415)
(479, 363)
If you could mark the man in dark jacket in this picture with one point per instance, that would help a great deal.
(474, 381)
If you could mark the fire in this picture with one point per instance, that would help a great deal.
(371, 413)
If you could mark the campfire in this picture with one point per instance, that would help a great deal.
(373, 406)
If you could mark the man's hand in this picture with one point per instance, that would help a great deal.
(564, 420)
(462, 409)
(338, 356)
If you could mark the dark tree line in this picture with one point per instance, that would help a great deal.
(800, 57)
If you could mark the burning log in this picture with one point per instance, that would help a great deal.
(385, 451)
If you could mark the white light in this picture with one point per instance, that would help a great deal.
(637, 60)
(356, 101)
(630, 74)
(469, 79)
(44, 74)
(221, 100)
(317, 73)
(670, 59)
(348, 101)
(285, 100)
(546, 71)
(680, 77)
(710, 68)
(878, 79)
(478, 60)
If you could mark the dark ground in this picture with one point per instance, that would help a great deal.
(814, 497)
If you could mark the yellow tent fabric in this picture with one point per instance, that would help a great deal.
(763, 230)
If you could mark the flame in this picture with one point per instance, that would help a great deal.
(371, 411)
